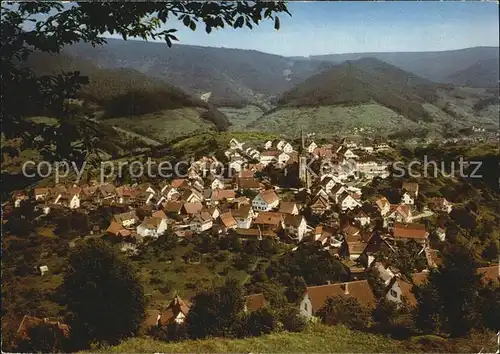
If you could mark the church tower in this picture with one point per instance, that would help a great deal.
(304, 175)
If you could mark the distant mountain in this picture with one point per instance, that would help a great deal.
(364, 81)
(125, 92)
(436, 66)
(484, 73)
(232, 76)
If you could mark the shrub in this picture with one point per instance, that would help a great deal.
(291, 319)
(347, 311)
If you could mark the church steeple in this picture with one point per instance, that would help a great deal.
(303, 173)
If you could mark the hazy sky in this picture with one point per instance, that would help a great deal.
(347, 27)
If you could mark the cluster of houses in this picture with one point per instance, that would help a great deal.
(249, 206)
(398, 289)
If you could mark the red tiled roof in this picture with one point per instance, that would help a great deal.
(287, 207)
(269, 218)
(410, 231)
(227, 220)
(360, 290)
(220, 194)
(248, 183)
(29, 322)
(269, 196)
(192, 208)
(490, 273)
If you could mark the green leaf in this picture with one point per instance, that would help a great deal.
(208, 29)
(276, 23)
(169, 42)
(192, 25)
(186, 21)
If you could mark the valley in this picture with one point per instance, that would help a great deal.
(367, 93)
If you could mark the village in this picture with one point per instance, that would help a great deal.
(319, 205)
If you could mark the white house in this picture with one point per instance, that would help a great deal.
(235, 144)
(152, 227)
(347, 153)
(407, 199)
(327, 184)
(236, 164)
(168, 192)
(269, 156)
(43, 269)
(202, 222)
(347, 202)
(41, 193)
(283, 158)
(383, 206)
(311, 147)
(284, 146)
(315, 296)
(296, 226)
(126, 219)
(265, 200)
(268, 144)
(398, 213)
(337, 191)
(362, 218)
(382, 147)
(441, 204)
(243, 216)
(410, 187)
(441, 234)
(69, 200)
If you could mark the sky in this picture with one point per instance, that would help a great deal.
(349, 27)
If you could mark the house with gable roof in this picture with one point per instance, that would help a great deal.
(296, 226)
(410, 231)
(152, 227)
(176, 312)
(383, 206)
(265, 200)
(288, 208)
(244, 216)
(315, 296)
(348, 202)
(398, 213)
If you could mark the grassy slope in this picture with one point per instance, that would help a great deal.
(241, 117)
(325, 120)
(316, 339)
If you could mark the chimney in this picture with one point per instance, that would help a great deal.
(328, 282)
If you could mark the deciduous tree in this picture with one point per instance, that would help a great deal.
(103, 295)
